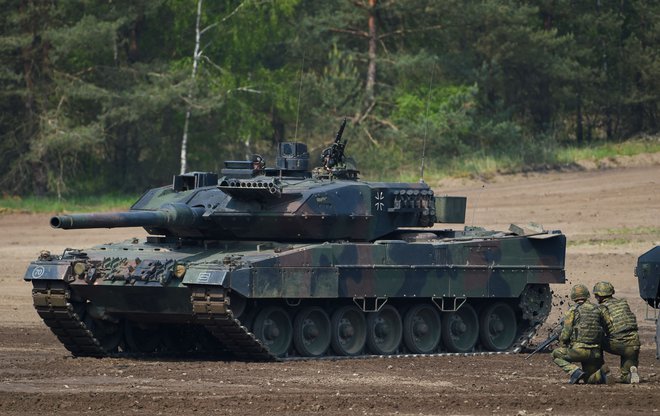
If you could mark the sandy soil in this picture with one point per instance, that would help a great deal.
(610, 216)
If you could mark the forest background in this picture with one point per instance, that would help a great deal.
(95, 96)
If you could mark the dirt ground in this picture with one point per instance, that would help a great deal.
(610, 216)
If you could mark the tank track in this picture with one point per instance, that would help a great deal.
(51, 300)
(211, 309)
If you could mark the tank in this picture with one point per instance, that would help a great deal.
(263, 263)
(648, 276)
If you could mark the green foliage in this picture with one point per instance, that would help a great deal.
(106, 202)
(441, 120)
(601, 151)
(94, 95)
(534, 158)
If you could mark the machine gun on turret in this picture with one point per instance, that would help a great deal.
(333, 156)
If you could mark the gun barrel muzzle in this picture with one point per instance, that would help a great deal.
(169, 215)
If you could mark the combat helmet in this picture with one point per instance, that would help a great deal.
(579, 292)
(603, 289)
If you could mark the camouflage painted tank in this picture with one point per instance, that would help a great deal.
(648, 275)
(278, 263)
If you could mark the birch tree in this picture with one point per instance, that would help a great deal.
(196, 55)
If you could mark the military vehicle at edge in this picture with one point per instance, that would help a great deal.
(648, 276)
(265, 263)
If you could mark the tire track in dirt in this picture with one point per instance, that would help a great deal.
(38, 376)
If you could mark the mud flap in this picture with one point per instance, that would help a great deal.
(202, 276)
(46, 271)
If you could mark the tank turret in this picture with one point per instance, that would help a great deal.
(288, 202)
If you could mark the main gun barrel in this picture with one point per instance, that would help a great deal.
(169, 215)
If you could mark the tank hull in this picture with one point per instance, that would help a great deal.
(647, 272)
(648, 276)
(417, 293)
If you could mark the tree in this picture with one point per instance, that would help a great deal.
(95, 95)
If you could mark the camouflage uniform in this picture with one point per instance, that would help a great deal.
(621, 338)
(580, 341)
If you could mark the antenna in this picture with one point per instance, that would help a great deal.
(476, 202)
(302, 66)
(426, 125)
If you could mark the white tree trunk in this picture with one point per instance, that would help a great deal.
(196, 55)
(371, 70)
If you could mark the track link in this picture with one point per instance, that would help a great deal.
(211, 309)
(51, 300)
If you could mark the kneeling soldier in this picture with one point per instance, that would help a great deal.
(580, 340)
(621, 336)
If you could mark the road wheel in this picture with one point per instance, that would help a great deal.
(273, 327)
(422, 329)
(498, 327)
(311, 332)
(349, 331)
(384, 330)
(460, 329)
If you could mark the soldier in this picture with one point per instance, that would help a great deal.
(580, 340)
(258, 163)
(621, 336)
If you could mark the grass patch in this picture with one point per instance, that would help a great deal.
(618, 236)
(634, 231)
(599, 242)
(51, 205)
(486, 166)
(608, 150)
